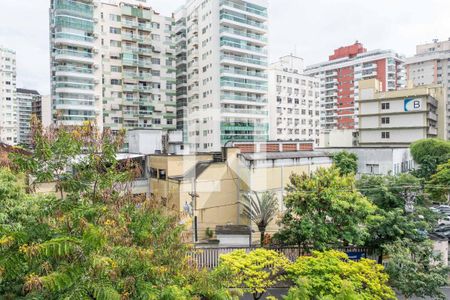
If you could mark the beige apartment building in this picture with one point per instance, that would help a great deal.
(399, 118)
(112, 61)
(208, 188)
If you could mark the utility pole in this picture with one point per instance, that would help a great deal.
(194, 197)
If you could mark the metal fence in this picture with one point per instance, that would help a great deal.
(209, 258)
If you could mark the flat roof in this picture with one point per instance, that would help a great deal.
(283, 155)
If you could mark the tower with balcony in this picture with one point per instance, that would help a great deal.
(74, 62)
(222, 66)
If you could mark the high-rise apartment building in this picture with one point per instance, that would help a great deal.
(431, 65)
(222, 72)
(8, 100)
(112, 62)
(29, 103)
(339, 77)
(294, 101)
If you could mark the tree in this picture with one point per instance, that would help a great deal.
(439, 185)
(414, 270)
(255, 271)
(389, 192)
(94, 245)
(324, 210)
(81, 160)
(331, 275)
(391, 221)
(346, 162)
(261, 210)
(429, 153)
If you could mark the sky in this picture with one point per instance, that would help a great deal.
(311, 29)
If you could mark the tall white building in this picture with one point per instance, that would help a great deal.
(27, 101)
(431, 65)
(294, 101)
(113, 62)
(222, 72)
(8, 100)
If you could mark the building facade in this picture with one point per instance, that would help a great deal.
(8, 100)
(339, 78)
(222, 72)
(29, 102)
(207, 188)
(112, 62)
(294, 101)
(431, 65)
(399, 118)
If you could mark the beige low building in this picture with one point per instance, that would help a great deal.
(208, 188)
(399, 118)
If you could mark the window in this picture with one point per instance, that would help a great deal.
(162, 174)
(373, 168)
(385, 120)
(115, 43)
(116, 69)
(385, 105)
(385, 135)
(114, 30)
(153, 173)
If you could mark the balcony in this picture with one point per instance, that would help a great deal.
(74, 39)
(242, 59)
(81, 56)
(75, 8)
(253, 10)
(128, 23)
(244, 73)
(243, 98)
(145, 26)
(240, 46)
(244, 111)
(74, 71)
(242, 33)
(230, 17)
(242, 85)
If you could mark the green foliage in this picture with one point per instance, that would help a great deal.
(323, 210)
(261, 210)
(415, 271)
(439, 185)
(389, 192)
(346, 162)
(390, 221)
(255, 271)
(429, 154)
(331, 275)
(98, 242)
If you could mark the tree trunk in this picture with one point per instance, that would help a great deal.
(380, 257)
(262, 232)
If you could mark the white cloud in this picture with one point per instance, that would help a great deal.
(310, 28)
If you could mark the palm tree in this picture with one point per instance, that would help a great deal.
(261, 209)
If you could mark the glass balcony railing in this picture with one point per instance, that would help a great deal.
(243, 126)
(81, 9)
(74, 37)
(243, 20)
(243, 85)
(244, 111)
(81, 86)
(74, 69)
(244, 47)
(74, 53)
(244, 34)
(243, 98)
(261, 11)
(253, 61)
(243, 72)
